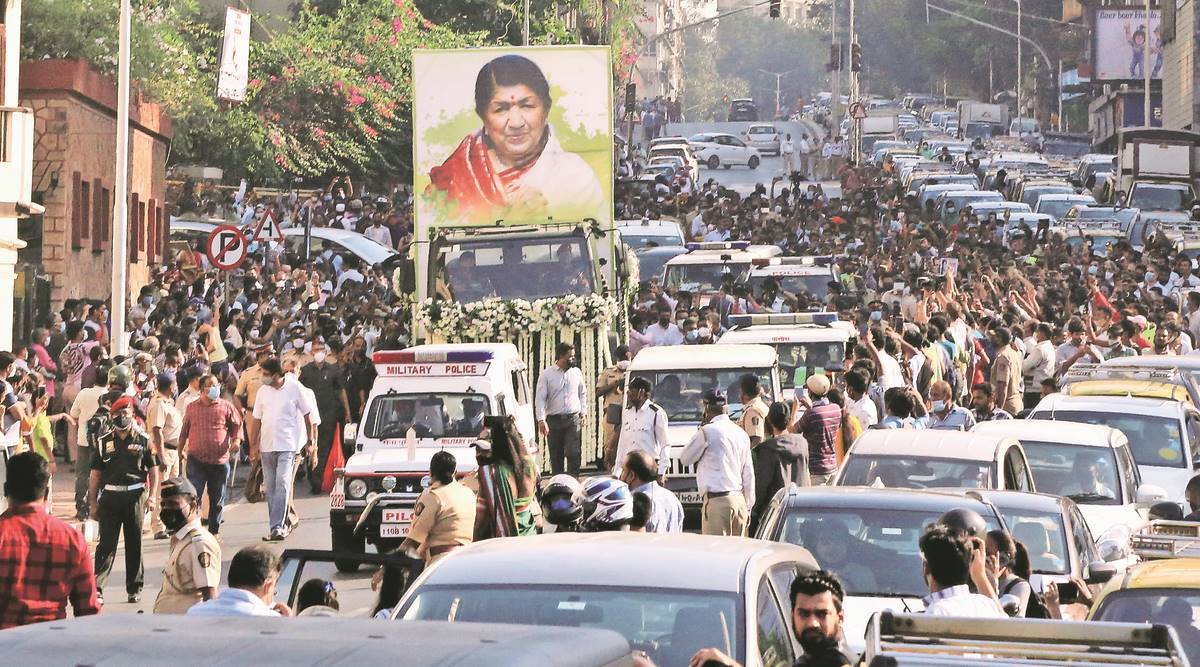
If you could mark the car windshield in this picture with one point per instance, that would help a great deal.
(1125, 215)
(1153, 441)
(797, 361)
(762, 130)
(1031, 195)
(650, 265)
(815, 285)
(1042, 534)
(638, 241)
(1056, 207)
(668, 151)
(1176, 607)
(873, 550)
(702, 278)
(1161, 197)
(518, 269)
(670, 625)
(904, 472)
(430, 415)
(679, 391)
(1065, 148)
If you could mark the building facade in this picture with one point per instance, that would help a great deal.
(16, 166)
(74, 110)
(659, 68)
(1181, 72)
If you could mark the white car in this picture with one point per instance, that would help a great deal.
(1164, 435)
(676, 149)
(339, 240)
(640, 234)
(1057, 205)
(1066, 458)
(765, 138)
(668, 594)
(716, 149)
(807, 343)
(935, 459)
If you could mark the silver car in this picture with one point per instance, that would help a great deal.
(765, 138)
(668, 594)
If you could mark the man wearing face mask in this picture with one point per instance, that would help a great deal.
(211, 431)
(664, 332)
(560, 406)
(296, 352)
(193, 570)
(124, 469)
(944, 414)
(281, 427)
(328, 383)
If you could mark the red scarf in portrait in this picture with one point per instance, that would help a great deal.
(467, 176)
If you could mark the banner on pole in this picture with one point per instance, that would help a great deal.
(235, 56)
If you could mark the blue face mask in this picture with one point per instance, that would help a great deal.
(876, 315)
(692, 336)
(939, 406)
(214, 393)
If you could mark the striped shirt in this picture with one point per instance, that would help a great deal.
(819, 426)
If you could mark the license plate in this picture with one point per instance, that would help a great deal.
(394, 529)
(691, 498)
(396, 516)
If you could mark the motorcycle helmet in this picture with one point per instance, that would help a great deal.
(965, 520)
(120, 375)
(607, 504)
(560, 500)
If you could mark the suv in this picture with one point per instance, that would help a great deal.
(807, 343)
(743, 109)
(934, 459)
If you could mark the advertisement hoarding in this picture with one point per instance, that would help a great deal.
(235, 56)
(1119, 38)
(515, 134)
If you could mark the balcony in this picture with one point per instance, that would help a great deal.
(16, 160)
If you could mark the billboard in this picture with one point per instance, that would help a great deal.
(1120, 35)
(515, 134)
(235, 56)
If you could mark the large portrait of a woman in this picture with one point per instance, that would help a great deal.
(521, 159)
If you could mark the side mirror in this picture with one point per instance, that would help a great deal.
(1112, 550)
(350, 435)
(1149, 494)
(1099, 573)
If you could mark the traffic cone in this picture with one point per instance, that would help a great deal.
(336, 460)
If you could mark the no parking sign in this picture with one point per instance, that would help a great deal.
(226, 247)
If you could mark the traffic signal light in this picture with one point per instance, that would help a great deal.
(774, 10)
(835, 58)
(630, 97)
(856, 57)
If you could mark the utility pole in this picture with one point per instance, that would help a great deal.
(1146, 62)
(1020, 71)
(835, 87)
(120, 226)
(778, 80)
(525, 26)
(855, 124)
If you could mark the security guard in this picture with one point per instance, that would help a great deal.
(193, 569)
(444, 516)
(754, 412)
(724, 469)
(124, 469)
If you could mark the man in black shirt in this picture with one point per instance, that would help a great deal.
(124, 477)
(328, 383)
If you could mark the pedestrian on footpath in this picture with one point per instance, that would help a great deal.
(163, 422)
(124, 482)
(193, 570)
(91, 415)
(211, 431)
(720, 450)
(787, 150)
(281, 428)
(44, 562)
(560, 405)
(250, 587)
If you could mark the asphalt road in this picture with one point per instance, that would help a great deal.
(739, 178)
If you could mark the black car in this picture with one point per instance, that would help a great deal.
(743, 109)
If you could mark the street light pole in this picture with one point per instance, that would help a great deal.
(120, 227)
(855, 124)
(835, 84)
(1020, 71)
(1146, 64)
(778, 81)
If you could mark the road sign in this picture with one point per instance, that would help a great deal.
(268, 229)
(226, 247)
(858, 111)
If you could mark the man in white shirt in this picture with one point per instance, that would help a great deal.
(643, 427)
(378, 233)
(641, 473)
(351, 273)
(787, 150)
(805, 149)
(664, 332)
(720, 450)
(253, 574)
(1038, 364)
(560, 407)
(281, 427)
(946, 561)
(860, 404)
(699, 227)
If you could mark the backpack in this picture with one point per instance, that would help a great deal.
(1035, 608)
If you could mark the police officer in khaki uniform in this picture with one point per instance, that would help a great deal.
(193, 569)
(754, 410)
(444, 516)
(124, 480)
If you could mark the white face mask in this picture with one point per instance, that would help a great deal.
(319, 357)
(298, 343)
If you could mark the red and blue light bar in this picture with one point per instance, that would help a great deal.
(718, 245)
(431, 357)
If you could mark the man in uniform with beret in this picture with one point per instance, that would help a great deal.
(193, 569)
(124, 480)
(720, 450)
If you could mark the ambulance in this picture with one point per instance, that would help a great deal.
(704, 266)
(425, 399)
(810, 275)
(806, 343)
(679, 375)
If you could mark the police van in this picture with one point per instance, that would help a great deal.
(704, 266)
(679, 375)
(806, 343)
(809, 275)
(425, 399)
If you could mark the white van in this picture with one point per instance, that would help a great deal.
(425, 399)
(702, 268)
(806, 343)
(679, 375)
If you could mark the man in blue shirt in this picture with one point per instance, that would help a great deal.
(640, 472)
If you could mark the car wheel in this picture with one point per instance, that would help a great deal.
(343, 539)
(713, 162)
(728, 166)
(752, 162)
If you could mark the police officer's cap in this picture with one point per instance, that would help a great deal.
(714, 396)
(177, 486)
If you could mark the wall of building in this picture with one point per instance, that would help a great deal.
(1181, 77)
(75, 124)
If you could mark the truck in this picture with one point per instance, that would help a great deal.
(881, 125)
(979, 120)
(1156, 172)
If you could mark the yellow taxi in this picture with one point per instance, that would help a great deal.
(1165, 588)
(1162, 383)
